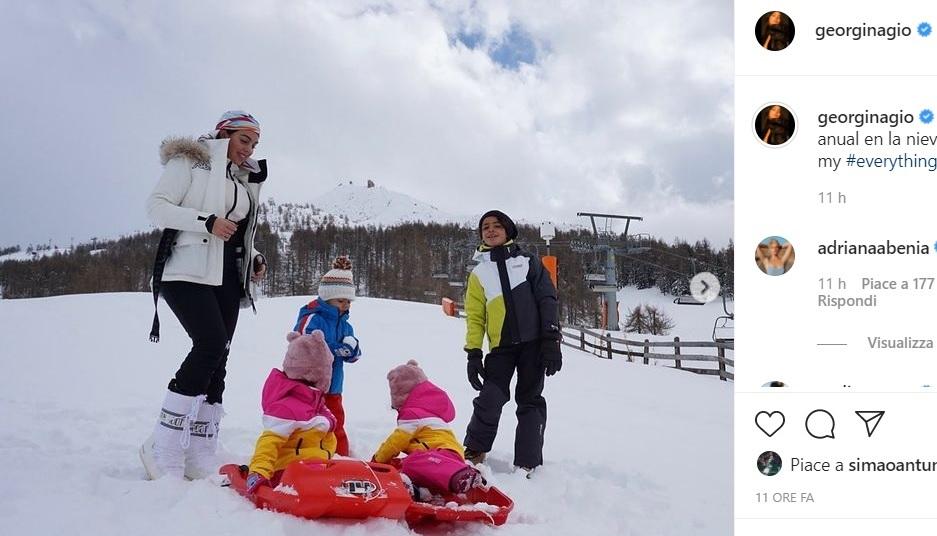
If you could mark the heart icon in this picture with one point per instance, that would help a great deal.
(769, 423)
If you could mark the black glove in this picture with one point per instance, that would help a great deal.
(552, 358)
(476, 371)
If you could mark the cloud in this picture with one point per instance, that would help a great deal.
(620, 107)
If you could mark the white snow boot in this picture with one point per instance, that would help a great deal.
(201, 458)
(163, 453)
(527, 471)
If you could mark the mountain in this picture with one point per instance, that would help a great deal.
(354, 204)
(346, 205)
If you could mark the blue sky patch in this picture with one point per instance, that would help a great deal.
(471, 40)
(509, 50)
(513, 49)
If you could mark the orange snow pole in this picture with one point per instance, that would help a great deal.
(449, 307)
(549, 262)
(604, 308)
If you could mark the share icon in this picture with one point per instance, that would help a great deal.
(871, 420)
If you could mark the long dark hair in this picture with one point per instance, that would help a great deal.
(774, 36)
(778, 130)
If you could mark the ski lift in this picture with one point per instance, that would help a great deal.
(603, 288)
(638, 243)
(724, 329)
(595, 271)
(687, 300)
(724, 326)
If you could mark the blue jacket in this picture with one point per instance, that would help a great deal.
(325, 317)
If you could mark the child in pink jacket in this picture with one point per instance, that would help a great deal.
(297, 423)
(435, 457)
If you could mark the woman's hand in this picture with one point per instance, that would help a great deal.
(260, 269)
(223, 228)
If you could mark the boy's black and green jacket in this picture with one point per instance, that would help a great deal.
(511, 297)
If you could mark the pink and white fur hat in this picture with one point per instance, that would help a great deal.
(309, 359)
(402, 380)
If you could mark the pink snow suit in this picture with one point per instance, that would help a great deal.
(423, 432)
(297, 425)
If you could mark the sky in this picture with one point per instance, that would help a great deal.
(622, 107)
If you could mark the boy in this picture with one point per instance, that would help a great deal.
(511, 299)
(329, 314)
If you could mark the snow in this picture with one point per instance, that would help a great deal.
(629, 449)
(348, 203)
(378, 206)
(692, 322)
(33, 255)
(286, 490)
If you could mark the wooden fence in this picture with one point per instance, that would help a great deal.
(680, 353)
(607, 347)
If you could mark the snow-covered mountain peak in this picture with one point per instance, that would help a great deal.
(353, 203)
(369, 204)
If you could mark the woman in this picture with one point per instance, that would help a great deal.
(206, 201)
(775, 125)
(511, 299)
(773, 258)
(775, 31)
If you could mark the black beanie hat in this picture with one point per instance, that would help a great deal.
(506, 222)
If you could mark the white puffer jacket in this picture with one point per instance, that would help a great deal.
(191, 189)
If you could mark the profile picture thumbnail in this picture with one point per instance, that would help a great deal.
(774, 31)
(769, 463)
(774, 255)
(774, 124)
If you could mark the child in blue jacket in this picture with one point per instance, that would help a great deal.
(329, 314)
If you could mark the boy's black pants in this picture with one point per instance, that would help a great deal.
(531, 406)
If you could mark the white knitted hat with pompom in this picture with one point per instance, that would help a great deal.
(338, 282)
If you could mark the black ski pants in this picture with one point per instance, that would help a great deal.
(500, 365)
(209, 315)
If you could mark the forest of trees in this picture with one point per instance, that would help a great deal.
(414, 262)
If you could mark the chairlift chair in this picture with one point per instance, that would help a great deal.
(724, 329)
(724, 326)
(638, 243)
(687, 300)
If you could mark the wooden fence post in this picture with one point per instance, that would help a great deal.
(676, 351)
(722, 363)
(607, 351)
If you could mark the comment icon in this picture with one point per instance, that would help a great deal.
(820, 424)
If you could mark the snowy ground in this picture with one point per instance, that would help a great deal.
(691, 322)
(630, 450)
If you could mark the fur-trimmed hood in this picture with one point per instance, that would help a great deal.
(185, 146)
(196, 150)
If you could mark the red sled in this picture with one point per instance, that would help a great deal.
(487, 506)
(355, 489)
(333, 488)
(478, 504)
